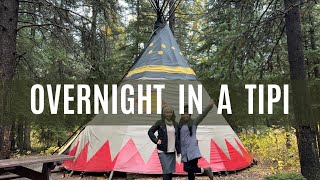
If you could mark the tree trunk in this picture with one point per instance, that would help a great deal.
(8, 35)
(309, 159)
(316, 69)
(94, 57)
(318, 137)
(20, 134)
(26, 135)
(138, 28)
(13, 135)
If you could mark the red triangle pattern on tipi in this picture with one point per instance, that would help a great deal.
(179, 168)
(129, 159)
(68, 163)
(101, 161)
(245, 152)
(203, 163)
(153, 165)
(219, 161)
(80, 163)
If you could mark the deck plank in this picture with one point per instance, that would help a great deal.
(33, 160)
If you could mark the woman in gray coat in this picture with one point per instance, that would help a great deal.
(190, 152)
(167, 141)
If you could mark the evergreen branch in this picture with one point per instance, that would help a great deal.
(28, 65)
(40, 25)
(67, 10)
(276, 44)
(260, 18)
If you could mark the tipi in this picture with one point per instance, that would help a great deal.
(120, 142)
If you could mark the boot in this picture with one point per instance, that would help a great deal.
(208, 172)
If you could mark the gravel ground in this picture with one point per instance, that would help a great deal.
(254, 173)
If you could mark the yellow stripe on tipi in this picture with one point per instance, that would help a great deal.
(164, 69)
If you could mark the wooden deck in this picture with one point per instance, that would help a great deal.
(16, 167)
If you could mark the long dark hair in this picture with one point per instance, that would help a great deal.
(188, 123)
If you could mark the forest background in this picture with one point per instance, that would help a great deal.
(224, 42)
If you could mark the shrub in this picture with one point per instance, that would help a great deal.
(49, 151)
(290, 176)
(274, 147)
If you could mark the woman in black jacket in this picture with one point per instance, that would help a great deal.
(168, 143)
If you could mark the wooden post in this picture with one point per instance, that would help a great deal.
(111, 175)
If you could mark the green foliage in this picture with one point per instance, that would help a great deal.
(224, 40)
(49, 150)
(274, 148)
(289, 176)
(18, 154)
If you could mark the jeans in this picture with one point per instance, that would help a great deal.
(191, 167)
